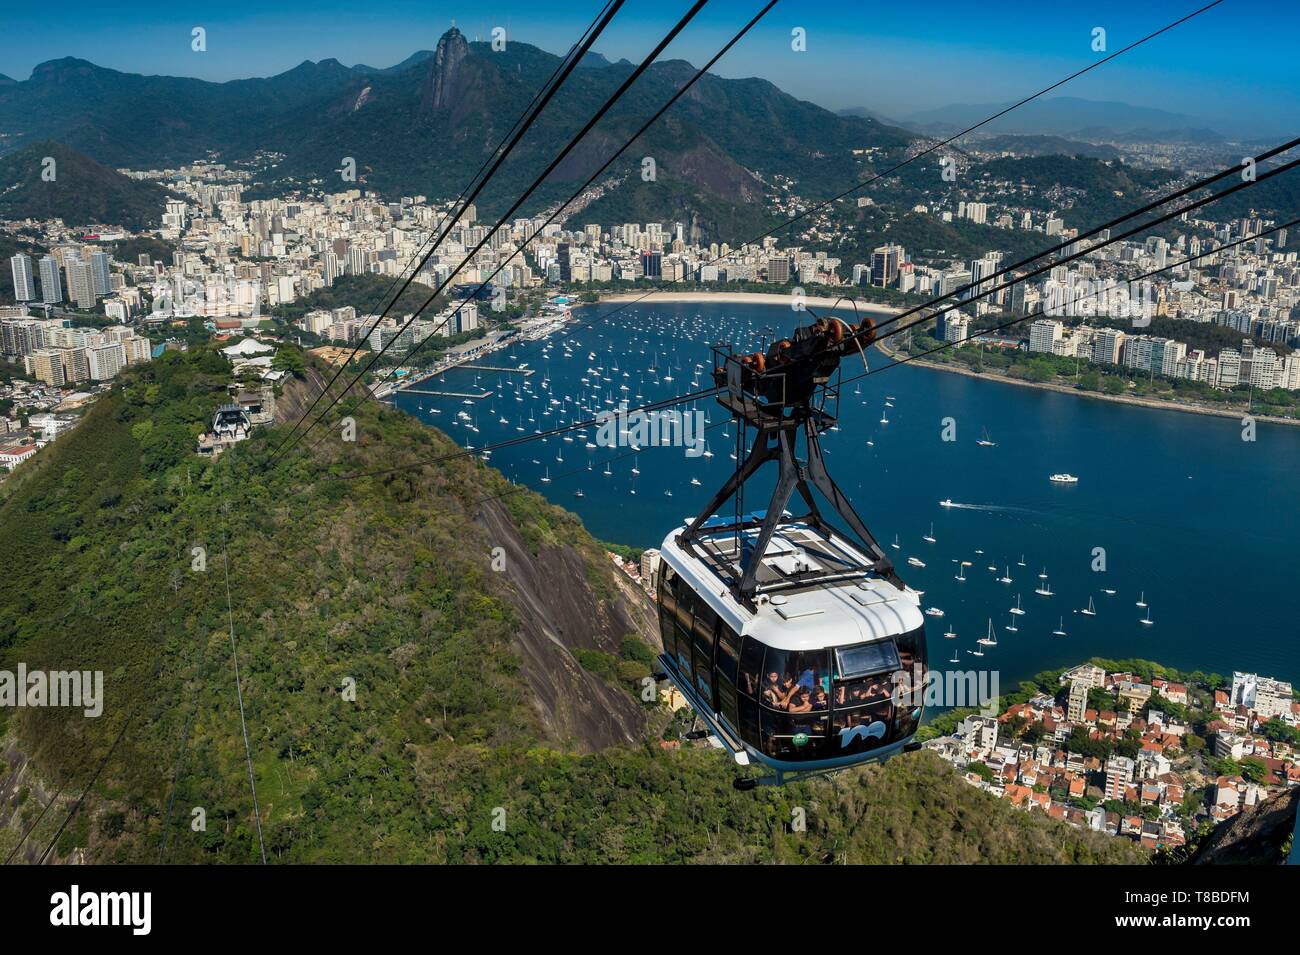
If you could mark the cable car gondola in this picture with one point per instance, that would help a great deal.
(798, 644)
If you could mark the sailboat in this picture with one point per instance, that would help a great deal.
(1060, 628)
(1011, 626)
(1089, 610)
(1147, 619)
(1142, 600)
(884, 418)
(1006, 577)
(986, 441)
(929, 538)
(950, 633)
(1044, 589)
(1021, 561)
(546, 478)
(1017, 609)
(991, 639)
(954, 659)
(961, 571)
(895, 544)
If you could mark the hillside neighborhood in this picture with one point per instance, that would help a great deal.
(1149, 759)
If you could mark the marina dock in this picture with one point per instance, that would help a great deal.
(446, 394)
(510, 371)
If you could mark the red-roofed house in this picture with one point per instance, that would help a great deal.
(1017, 793)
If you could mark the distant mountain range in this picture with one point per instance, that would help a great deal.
(1068, 116)
(424, 126)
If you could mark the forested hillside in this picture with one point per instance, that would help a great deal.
(411, 693)
(47, 180)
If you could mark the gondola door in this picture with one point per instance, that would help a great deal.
(705, 633)
(728, 663)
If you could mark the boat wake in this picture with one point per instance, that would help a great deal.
(989, 508)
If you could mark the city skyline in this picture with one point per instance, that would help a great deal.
(1218, 68)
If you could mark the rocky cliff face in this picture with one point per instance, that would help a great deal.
(559, 612)
(444, 71)
(1257, 836)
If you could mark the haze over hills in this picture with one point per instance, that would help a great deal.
(425, 125)
(1049, 146)
(419, 56)
(1067, 116)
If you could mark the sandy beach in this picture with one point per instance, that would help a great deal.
(777, 298)
(1184, 406)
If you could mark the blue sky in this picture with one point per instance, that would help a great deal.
(1236, 61)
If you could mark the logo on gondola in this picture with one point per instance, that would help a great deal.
(861, 731)
(800, 739)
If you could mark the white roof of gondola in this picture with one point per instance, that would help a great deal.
(839, 613)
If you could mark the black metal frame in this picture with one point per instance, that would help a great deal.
(778, 426)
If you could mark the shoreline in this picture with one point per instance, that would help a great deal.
(738, 298)
(776, 298)
(1152, 403)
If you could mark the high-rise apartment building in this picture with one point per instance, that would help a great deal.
(81, 284)
(24, 283)
(51, 284)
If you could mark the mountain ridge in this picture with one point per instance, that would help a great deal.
(463, 97)
(1065, 116)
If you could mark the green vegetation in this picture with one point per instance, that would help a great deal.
(368, 294)
(130, 250)
(1090, 191)
(385, 583)
(1280, 732)
(81, 193)
(625, 551)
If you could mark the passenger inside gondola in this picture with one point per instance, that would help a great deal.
(802, 701)
(777, 692)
